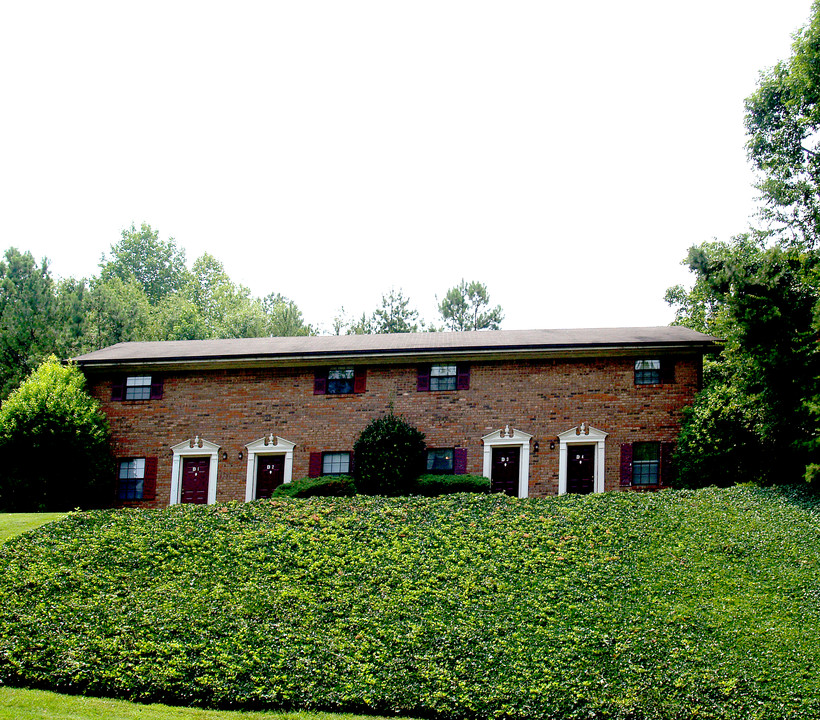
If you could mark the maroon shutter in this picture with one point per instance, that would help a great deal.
(149, 480)
(320, 383)
(626, 464)
(315, 465)
(463, 377)
(359, 380)
(156, 388)
(423, 379)
(351, 470)
(118, 389)
(667, 469)
(668, 371)
(460, 461)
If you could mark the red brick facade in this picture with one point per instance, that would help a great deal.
(541, 397)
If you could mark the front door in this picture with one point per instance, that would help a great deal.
(505, 470)
(580, 469)
(195, 473)
(270, 473)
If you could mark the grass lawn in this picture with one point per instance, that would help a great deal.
(17, 704)
(16, 523)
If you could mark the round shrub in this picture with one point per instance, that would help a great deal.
(54, 452)
(389, 456)
(325, 486)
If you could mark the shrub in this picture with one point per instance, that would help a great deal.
(430, 485)
(389, 456)
(54, 452)
(325, 486)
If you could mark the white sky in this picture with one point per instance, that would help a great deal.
(564, 153)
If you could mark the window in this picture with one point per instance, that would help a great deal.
(646, 462)
(137, 387)
(340, 381)
(440, 462)
(432, 378)
(131, 477)
(335, 463)
(647, 372)
(443, 377)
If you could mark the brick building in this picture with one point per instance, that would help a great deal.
(539, 412)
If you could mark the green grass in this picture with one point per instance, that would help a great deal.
(15, 523)
(18, 704)
(622, 606)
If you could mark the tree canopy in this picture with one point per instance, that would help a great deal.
(467, 307)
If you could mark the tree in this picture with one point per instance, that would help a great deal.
(118, 311)
(28, 317)
(395, 314)
(467, 307)
(284, 318)
(53, 444)
(158, 266)
(783, 125)
(389, 456)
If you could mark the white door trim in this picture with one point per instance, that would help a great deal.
(269, 445)
(193, 448)
(505, 438)
(582, 435)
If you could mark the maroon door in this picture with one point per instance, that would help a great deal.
(504, 473)
(195, 480)
(580, 469)
(270, 473)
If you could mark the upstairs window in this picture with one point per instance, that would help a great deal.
(131, 476)
(340, 381)
(433, 378)
(646, 463)
(137, 387)
(647, 372)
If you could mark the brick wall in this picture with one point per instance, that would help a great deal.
(234, 407)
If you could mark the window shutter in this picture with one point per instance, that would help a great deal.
(667, 468)
(668, 371)
(315, 465)
(359, 380)
(463, 377)
(156, 388)
(626, 464)
(118, 389)
(423, 379)
(460, 461)
(320, 384)
(351, 466)
(149, 480)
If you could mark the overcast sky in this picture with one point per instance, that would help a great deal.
(564, 153)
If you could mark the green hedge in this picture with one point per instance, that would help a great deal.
(677, 604)
(324, 486)
(431, 485)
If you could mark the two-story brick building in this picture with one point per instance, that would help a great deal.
(539, 412)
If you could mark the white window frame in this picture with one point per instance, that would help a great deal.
(193, 448)
(582, 435)
(263, 447)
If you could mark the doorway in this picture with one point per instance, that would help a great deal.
(505, 470)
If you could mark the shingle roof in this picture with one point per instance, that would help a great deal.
(500, 342)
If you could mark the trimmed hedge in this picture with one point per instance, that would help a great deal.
(324, 486)
(622, 606)
(431, 485)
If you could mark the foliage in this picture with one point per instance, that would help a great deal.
(284, 318)
(467, 307)
(27, 317)
(395, 314)
(324, 486)
(783, 122)
(432, 485)
(53, 444)
(622, 606)
(389, 455)
(157, 266)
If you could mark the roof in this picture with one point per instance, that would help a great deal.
(399, 346)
